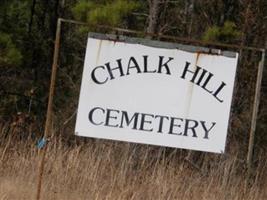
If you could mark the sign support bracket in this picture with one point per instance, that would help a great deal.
(255, 112)
(49, 109)
(173, 38)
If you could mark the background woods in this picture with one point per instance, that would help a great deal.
(28, 28)
(27, 34)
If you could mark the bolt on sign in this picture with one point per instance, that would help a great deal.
(158, 93)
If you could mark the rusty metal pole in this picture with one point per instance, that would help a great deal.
(53, 79)
(49, 108)
(168, 37)
(255, 112)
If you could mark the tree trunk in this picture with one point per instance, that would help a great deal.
(154, 7)
(190, 13)
(32, 14)
(54, 18)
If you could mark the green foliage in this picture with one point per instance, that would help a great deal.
(80, 10)
(212, 34)
(14, 16)
(110, 13)
(27, 33)
(9, 54)
(227, 33)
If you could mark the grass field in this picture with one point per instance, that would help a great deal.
(100, 169)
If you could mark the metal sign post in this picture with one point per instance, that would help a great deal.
(255, 112)
(171, 38)
(49, 109)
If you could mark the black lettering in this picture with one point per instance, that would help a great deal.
(206, 136)
(187, 64)
(218, 90)
(125, 117)
(109, 116)
(195, 73)
(145, 66)
(136, 66)
(192, 127)
(161, 64)
(172, 125)
(110, 70)
(90, 116)
(144, 121)
(201, 76)
(161, 118)
(206, 82)
(93, 76)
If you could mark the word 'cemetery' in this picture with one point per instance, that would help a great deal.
(146, 122)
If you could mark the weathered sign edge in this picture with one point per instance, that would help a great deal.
(161, 44)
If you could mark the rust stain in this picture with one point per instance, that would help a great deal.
(197, 58)
(115, 40)
(98, 52)
(191, 87)
(209, 52)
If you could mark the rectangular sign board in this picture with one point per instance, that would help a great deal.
(136, 92)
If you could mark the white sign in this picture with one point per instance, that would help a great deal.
(159, 96)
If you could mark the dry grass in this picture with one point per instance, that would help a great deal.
(99, 169)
